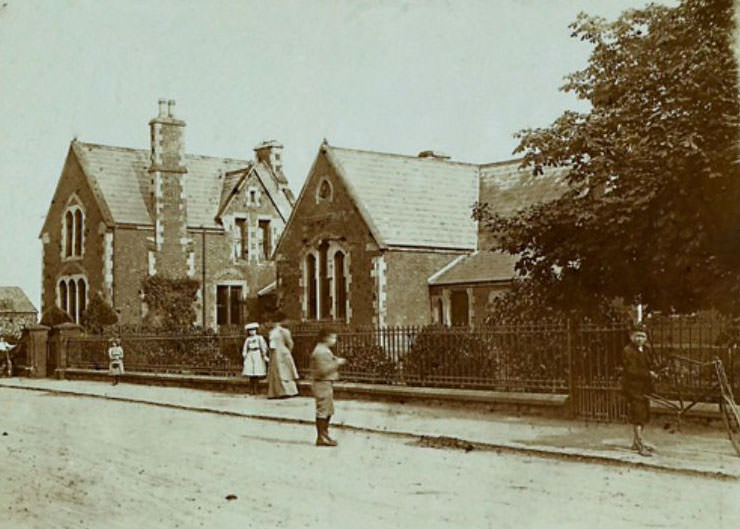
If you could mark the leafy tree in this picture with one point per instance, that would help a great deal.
(650, 212)
(98, 315)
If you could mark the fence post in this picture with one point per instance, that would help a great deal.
(572, 391)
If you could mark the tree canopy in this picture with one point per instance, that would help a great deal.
(650, 210)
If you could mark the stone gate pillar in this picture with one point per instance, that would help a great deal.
(62, 333)
(36, 341)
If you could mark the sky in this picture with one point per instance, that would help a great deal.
(457, 76)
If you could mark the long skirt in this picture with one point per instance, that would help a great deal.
(281, 375)
(323, 393)
(116, 367)
(254, 364)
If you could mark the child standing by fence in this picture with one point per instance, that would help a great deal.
(254, 353)
(115, 354)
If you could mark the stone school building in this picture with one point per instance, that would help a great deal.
(379, 239)
(119, 215)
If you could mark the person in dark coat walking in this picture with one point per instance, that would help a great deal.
(637, 383)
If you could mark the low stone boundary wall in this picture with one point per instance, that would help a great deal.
(547, 404)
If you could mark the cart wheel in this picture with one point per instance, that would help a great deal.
(732, 420)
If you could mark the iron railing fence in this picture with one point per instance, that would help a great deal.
(597, 352)
(181, 354)
(583, 361)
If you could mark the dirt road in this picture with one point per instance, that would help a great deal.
(89, 463)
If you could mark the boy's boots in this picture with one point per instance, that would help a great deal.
(326, 431)
(322, 433)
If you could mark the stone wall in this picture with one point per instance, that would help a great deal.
(72, 189)
(407, 273)
(333, 219)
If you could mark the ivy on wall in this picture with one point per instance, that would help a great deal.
(170, 302)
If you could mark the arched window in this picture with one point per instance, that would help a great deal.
(324, 191)
(324, 282)
(78, 232)
(73, 232)
(82, 294)
(73, 299)
(340, 287)
(68, 234)
(311, 299)
(73, 296)
(63, 296)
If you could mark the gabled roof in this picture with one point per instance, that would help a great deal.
(230, 187)
(478, 267)
(13, 299)
(508, 188)
(120, 176)
(279, 194)
(411, 201)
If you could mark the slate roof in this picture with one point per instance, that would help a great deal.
(411, 201)
(120, 178)
(507, 188)
(13, 299)
(231, 180)
(480, 266)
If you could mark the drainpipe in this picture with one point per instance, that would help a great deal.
(203, 274)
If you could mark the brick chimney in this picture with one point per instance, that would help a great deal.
(270, 153)
(169, 208)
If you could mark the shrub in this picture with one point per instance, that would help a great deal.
(439, 352)
(54, 316)
(507, 358)
(98, 315)
(366, 361)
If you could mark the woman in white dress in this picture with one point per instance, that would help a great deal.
(254, 353)
(115, 355)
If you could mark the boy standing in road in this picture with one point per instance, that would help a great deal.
(324, 371)
(637, 384)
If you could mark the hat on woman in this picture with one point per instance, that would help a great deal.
(250, 326)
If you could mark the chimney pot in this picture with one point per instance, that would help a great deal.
(434, 155)
(162, 108)
(171, 108)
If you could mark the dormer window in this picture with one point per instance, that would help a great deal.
(324, 192)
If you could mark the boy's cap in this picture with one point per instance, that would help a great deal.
(253, 325)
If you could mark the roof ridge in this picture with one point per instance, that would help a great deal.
(134, 149)
(406, 156)
(501, 162)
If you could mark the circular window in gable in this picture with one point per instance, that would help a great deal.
(324, 191)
